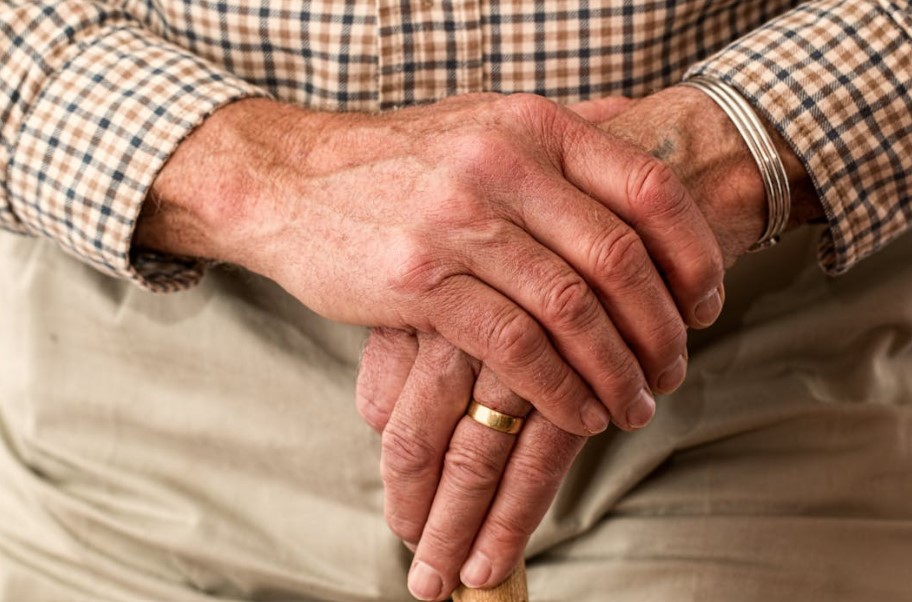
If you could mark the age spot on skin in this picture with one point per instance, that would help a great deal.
(665, 150)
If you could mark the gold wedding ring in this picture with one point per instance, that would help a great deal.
(493, 419)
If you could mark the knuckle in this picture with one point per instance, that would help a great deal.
(700, 275)
(374, 414)
(708, 274)
(456, 205)
(513, 337)
(491, 391)
(537, 471)
(622, 258)
(538, 113)
(417, 268)
(438, 540)
(404, 527)
(541, 469)
(623, 376)
(438, 361)
(667, 340)
(529, 104)
(471, 471)
(406, 458)
(560, 386)
(569, 303)
(655, 191)
(510, 529)
(672, 336)
(546, 463)
(496, 235)
(478, 152)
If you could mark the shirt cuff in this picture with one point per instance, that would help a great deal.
(96, 137)
(832, 78)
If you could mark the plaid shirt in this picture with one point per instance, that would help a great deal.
(96, 94)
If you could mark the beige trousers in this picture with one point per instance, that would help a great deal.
(205, 446)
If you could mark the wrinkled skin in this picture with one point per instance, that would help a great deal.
(470, 497)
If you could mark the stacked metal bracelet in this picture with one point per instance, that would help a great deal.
(761, 148)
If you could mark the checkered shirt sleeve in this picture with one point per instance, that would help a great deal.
(96, 94)
(91, 105)
(834, 78)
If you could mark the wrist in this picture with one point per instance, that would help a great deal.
(686, 129)
(217, 197)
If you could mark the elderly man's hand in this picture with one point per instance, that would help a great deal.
(510, 226)
(469, 495)
(450, 481)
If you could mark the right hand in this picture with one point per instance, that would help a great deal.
(467, 496)
(508, 225)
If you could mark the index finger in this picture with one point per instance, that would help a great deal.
(415, 439)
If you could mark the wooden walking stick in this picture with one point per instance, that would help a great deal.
(514, 589)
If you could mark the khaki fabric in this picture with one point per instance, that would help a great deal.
(204, 446)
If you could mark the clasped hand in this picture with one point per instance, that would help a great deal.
(558, 263)
(467, 498)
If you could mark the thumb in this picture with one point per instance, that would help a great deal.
(601, 110)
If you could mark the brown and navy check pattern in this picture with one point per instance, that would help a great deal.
(835, 78)
(96, 94)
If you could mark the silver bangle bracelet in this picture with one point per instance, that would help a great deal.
(772, 171)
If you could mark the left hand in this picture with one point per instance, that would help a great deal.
(451, 482)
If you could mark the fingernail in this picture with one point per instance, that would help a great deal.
(476, 571)
(411, 546)
(709, 308)
(672, 378)
(595, 417)
(424, 582)
(641, 410)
